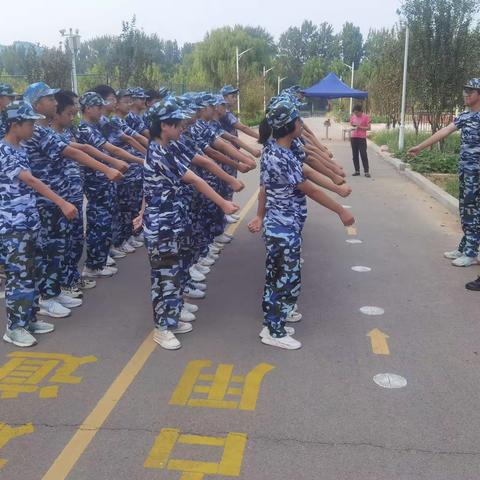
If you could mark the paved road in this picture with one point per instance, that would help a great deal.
(317, 414)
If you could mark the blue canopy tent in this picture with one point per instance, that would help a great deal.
(332, 87)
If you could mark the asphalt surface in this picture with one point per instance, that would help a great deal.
(319, 414)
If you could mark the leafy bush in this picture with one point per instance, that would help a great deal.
(429, 161)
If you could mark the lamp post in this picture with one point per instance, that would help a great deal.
(265, 71)
(352, 68)
(401, 135)
(237, 57)
(72, 40)
(279, 83)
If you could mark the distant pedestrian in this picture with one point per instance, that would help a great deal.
(358, 139)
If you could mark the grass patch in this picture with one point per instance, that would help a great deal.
(447, 182)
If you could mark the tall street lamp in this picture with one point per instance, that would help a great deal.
(265, 71)
(72, 40)
(279, 83)
(352, 68)
(401, 136)
(237, 57)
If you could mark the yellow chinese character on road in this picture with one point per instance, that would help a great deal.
(218, 386)
(8, 433)
(233, 448)
(25, 372)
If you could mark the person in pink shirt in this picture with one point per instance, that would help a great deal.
(358, 138)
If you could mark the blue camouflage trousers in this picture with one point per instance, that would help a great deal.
(51, 250)
(75, 241)
(17, 255)
(100, 208)
(469, 203)
(166, 279)
(129, 203)
(282, 281)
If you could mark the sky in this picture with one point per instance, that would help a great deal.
(187, 20)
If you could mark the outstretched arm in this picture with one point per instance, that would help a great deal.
(212, 167)
(246, 130)
(435, 138)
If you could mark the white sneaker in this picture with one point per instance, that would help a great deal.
(134, 242)
(215, 249)
(53, 309)
(72, 291)
(302, 261)
(294, 317)
(196, 276)
(126, 247)
(236, 216)
(465, 261)
(112, 270)
(264, 332)
(166, 339)
(20, 337)
(223, 239)
(86, 283)
(453, 254)
(187, 316)
(110, 261)
(202, 269)
(116, 253)
(190, 307)
(199, 286)
(229, 235)
(194, 293)
(67, 301)
(213, 256)
(182, 327)
(206, 262)
(139, 238)
(230, 219)
(287, 342)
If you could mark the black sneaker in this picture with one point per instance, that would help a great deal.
(356, 174)
(475, 285)
(367, 175)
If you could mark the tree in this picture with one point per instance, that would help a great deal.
(442, 40)
(313, 71)
(352, 44)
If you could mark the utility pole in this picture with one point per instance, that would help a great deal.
(265, 71)
(72, 40)
(237, 61)
(401, 136)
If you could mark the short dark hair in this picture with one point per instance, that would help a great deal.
(65, 98)
(152, 93)
(156, 126)
(357, 108)
(104, 91)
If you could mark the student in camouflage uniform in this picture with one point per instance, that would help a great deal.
(163, 217)
(282, 210)
(6, 97)
(20, 226)
(468, 123)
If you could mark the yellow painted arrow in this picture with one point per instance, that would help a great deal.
(379, 342)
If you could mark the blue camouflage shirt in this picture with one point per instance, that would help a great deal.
(73, 170)
(202, 134)
(228, 122)
(90, 134)
(281, 173)
(45, 153)
(299, 152)
(217, 128)
(469, 124)
(117, 126)
(18, 204)
(135, 122)
(164, 209)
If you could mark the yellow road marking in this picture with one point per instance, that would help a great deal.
(243, 213)
(379, 342)
(82, 438)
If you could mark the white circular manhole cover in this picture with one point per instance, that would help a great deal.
(359, 268)
(372, 310)
(353, 241)
(390, 380)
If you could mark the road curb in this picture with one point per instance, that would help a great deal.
(442, 197)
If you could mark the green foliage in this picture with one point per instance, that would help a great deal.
(428, 161)
(352, 44)
(313, 71)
